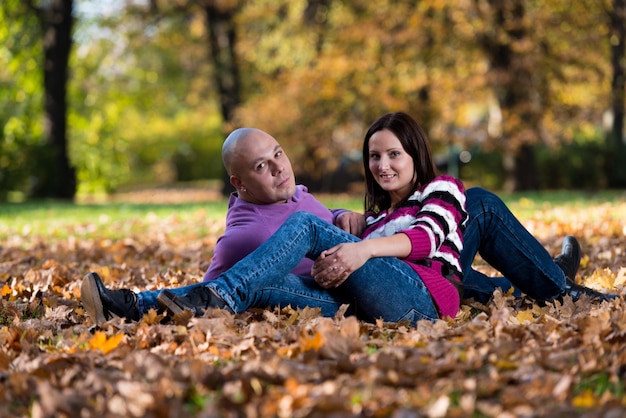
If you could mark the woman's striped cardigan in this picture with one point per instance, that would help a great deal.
(433, 218)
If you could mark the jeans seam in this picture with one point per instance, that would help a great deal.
(263, 267)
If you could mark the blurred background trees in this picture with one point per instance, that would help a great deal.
(522, 94)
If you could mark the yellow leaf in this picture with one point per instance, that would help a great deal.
(601, 279)
(525, 316)
(100, 341)
(6, 290)
(584, 261)
(506, 365)
(584, 400)
(620, 280)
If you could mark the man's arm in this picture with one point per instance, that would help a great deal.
(235, 244)
(351, 222)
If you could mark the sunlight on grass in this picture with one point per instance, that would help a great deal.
(60, 220)
(529, 205)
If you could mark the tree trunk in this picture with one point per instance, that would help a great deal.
(617, 148)
(315, 16)
(222, 40)
(512, 80)
(57, 178)
(525, 168)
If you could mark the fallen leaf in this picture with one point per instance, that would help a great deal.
(101, 342)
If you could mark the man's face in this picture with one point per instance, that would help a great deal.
(262, 172)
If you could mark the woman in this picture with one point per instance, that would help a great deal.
(405, 269)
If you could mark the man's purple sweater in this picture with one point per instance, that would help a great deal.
(249, 225)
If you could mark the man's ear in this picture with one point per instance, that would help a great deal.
(236, 183)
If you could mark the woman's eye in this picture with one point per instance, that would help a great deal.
(279, 153)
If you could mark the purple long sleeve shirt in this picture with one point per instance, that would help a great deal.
(249, 225)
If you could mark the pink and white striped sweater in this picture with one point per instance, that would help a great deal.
(434, 220)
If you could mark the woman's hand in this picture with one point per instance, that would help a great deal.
(334, 265)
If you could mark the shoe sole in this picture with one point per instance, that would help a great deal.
(90, 297)
(166, 300)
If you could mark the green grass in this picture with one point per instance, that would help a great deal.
(29, 211)
(525, 205)
(114, 220)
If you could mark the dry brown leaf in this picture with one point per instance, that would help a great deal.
(504, 358)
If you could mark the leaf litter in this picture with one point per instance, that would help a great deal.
(506, 358)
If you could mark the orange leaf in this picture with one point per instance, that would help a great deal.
(6, 290)
(100, 342)
(313, 343)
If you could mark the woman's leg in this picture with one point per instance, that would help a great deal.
(382, 288)
(502, 241)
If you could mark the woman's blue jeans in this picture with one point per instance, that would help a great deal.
(502, 241)
(383, 287)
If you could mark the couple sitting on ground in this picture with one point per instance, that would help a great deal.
(408, 257)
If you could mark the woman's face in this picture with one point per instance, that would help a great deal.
(390, 165)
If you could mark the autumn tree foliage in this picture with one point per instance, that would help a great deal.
(500, 75)
(155, 98)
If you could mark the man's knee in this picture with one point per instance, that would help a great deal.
(300, 216)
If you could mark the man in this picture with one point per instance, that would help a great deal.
(267, 194)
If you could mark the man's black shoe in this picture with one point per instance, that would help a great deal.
(197, 301)
(103, 304)
(569, 261)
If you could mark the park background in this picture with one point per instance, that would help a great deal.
(113, 114)
(99, 97)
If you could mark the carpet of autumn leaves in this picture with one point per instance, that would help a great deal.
(507, 358)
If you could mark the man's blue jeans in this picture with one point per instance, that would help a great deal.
(383, 287)
(502, 241)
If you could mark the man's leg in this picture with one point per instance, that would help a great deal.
(102, 304)
(383, 287)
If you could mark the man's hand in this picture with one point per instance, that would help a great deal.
(351, 222)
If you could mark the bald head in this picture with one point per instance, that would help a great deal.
(258, 167)
(235, 144)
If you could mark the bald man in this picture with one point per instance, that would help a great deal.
(266, 195)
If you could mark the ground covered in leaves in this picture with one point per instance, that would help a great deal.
(503, 359)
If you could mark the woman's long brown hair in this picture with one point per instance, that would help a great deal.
(414, 141)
